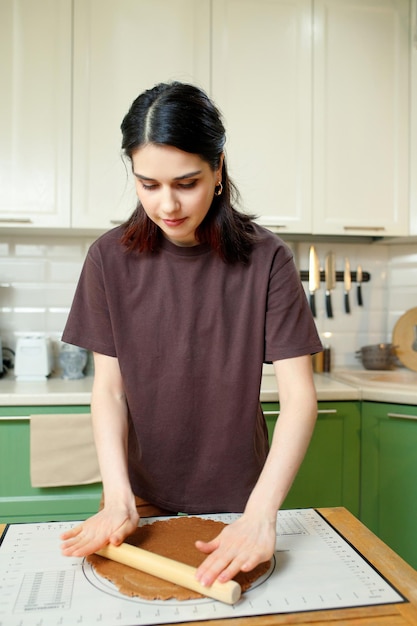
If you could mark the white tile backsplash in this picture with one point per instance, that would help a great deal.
(4, 248)
(402, 281)
(38, 276)
(30, 250)
(64, 271)
(15, 271)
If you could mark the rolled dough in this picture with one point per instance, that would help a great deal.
(175, 539)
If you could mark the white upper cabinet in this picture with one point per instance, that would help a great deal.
(121, 49)
(35, 113)
(315, 97)
(361, 117)
(316, 102)
(261, 81)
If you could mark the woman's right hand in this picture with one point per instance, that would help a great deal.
(118, 517)
(110, 525)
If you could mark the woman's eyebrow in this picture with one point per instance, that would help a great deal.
(188, 175)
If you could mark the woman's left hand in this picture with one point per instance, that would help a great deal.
(240, 546)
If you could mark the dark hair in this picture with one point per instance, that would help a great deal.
(183, 116)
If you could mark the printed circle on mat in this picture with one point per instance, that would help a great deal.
(173, 538)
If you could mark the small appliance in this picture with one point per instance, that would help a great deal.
(33, 359)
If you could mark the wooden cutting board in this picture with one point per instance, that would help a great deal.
(404, 338)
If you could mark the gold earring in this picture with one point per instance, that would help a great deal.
(218, 189)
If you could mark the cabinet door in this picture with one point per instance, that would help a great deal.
(388, 480)
(262, 84)
(329, 474)
(19, 501)
(121, 49)
(361, 117)
(35, 112)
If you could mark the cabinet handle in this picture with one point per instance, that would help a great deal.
(275, 227)
(117, 222)
(377, 228)
(319, 412)
(14, 418)
(15, 220)
(402, 416)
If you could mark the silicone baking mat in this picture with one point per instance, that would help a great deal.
(314, 568)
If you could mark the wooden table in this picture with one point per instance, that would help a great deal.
(387, 562)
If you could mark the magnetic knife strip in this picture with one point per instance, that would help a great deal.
(366, 277)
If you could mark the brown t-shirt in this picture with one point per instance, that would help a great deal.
(191, 334)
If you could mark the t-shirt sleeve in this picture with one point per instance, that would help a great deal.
(89, 321)
(290, 330)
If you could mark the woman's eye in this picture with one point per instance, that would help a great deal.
(183, 185)
(188, 185)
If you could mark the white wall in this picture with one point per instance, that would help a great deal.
(38, 275)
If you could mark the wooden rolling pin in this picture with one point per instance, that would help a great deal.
(168, 569)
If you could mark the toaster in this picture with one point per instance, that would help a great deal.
(33, 358)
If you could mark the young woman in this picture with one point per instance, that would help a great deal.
(181, 306)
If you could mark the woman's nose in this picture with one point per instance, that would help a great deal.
(169, 202)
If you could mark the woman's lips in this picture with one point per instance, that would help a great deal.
(174, 223)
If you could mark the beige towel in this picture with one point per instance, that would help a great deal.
(62, 450)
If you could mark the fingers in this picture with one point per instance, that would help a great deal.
(95, 533)
(207, 546)
(82, 543)
(221, 567)
(215, 566)
(224, 560)
(72, 532)
(241, 546)
(120, 535)
(73, 541)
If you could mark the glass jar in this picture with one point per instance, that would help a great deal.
(72, 360)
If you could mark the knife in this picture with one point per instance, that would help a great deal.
(347, 279)
(313, 278)
(330, 278)
(359, 287)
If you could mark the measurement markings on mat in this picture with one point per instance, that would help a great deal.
(40, 591)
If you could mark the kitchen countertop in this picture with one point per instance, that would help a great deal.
(327, 388)
(52, 391)
(399, 386)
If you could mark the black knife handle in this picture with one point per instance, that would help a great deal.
(359, 293)
(313, 304)
(347, 303)
(329, 309)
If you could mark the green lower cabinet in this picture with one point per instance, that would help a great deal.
(19, 501)
(329, 475)
(389, 475)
